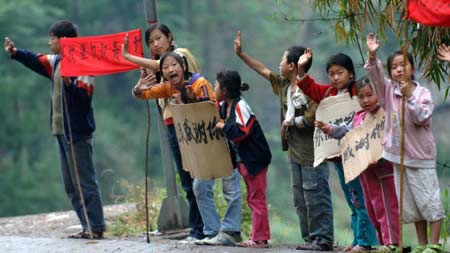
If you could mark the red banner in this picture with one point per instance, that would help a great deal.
(429, 12)
(98, 55)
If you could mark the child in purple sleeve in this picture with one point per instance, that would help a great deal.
(422, 203)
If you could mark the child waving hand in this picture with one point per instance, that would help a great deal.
(422, 203)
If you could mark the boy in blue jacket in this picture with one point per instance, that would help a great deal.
(72, 123)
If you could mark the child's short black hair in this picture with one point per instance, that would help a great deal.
(179, 58)
(346, 62)
(230, 81)
(362, 82)
(343, 60)
(294, 53)
(63, 28)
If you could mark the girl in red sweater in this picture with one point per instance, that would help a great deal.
(341, 74)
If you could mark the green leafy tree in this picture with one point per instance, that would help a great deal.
(354, 19)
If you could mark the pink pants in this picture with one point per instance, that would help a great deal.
(381, 201)
(256, 200)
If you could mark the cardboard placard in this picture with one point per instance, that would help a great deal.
(203, 148)
(333, 110)
(362, 145)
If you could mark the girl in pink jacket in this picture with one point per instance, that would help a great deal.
(422, 203)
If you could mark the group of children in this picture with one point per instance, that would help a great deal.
(372, 197)
(171, 75)
(174, 72)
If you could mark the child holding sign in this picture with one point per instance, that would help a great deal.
(422, 203)
(377, 180)
(341, 74)
(251, 151)
(160, 39)
(174, 70)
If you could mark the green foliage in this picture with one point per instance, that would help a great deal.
(424, 42)
(445, 230)
(133, 223)
(354, 19)
(28, 155)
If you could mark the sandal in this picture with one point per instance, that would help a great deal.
(254, 244)
(86, 235)
(419, 249)
(360, 249)
(433, 248)
(348, 248)
(78, 235)
(304, 246)
(391, 248)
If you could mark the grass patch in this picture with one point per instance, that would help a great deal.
(133, 223)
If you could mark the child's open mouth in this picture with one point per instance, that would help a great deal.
(173, 76)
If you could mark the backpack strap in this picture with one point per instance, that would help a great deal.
(194, 77)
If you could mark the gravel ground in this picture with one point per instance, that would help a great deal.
(52, 225)
(48, 232)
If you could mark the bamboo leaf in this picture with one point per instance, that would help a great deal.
(355, 15)
(445, 99)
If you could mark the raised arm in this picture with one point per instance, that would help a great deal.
(9, 47)
(143, 62)
(146, 82)
(39, 63)
(444, 53)
(374, 68)
(302, 61)
(251, 62)
(373, 44)
(307, 84)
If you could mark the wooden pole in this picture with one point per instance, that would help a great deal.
(150, 17)
(402, 140)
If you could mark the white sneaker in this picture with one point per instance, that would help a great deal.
(202, 241)
(221, 238)
(188, 240)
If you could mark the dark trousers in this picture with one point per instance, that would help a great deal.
(88, 181)
(312, 201)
